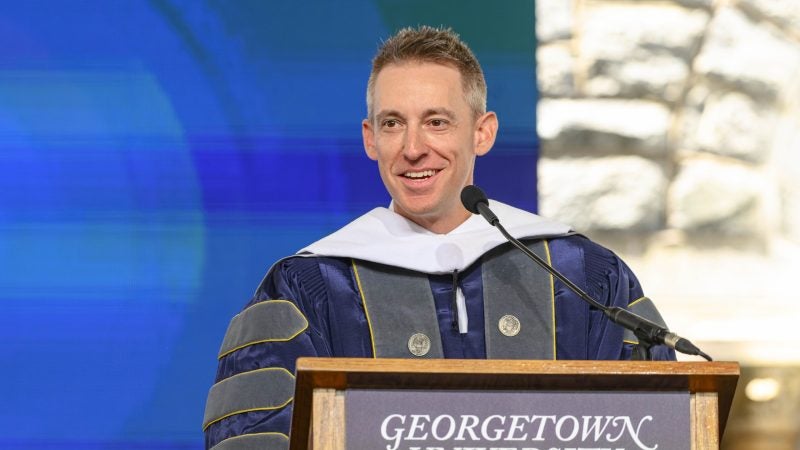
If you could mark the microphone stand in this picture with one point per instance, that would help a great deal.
(648, 333)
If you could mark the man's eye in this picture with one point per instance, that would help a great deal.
(390, 123)
(438, 123)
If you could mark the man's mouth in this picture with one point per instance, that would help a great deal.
(420, 175)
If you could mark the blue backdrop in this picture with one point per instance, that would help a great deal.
(157, 156)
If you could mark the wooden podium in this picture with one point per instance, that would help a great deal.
(319, 406)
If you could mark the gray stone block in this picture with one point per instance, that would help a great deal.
(748, 56)
(602, 127)
(732, 124)
(555, 71)
(608, 194)
(784, 13)
(712, 195)
(553, 20)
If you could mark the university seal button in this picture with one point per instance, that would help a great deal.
(419, 344)
(509, 325)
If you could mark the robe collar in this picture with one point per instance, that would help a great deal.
(385, 237)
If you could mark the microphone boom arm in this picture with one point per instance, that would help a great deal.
(649, 333)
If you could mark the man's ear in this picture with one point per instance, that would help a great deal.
(485, 133)
(368, 136)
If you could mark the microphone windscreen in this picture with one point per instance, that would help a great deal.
(471, 196)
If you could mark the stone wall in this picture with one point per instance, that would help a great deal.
(670, 132)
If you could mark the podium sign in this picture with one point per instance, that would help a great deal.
(457, 420)
(405, 404)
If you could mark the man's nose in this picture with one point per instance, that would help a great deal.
(414, 146)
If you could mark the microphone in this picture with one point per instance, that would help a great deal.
(648, 332)
(473, 198)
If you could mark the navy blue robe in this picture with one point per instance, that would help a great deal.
(325, 291)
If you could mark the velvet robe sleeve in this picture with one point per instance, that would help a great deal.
(265, 340)
(584, 332)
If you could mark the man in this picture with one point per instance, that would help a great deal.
(424, 278)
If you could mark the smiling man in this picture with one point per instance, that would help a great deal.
(425, 136)
(423, 278)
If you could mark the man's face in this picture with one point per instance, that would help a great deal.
(425, 138)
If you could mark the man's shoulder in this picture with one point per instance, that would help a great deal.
(302, 265)
(579, 251)
(582, 242)
(296, 277)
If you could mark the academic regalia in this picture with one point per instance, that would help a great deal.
(384, 286)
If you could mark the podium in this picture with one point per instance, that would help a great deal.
(321, 398)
